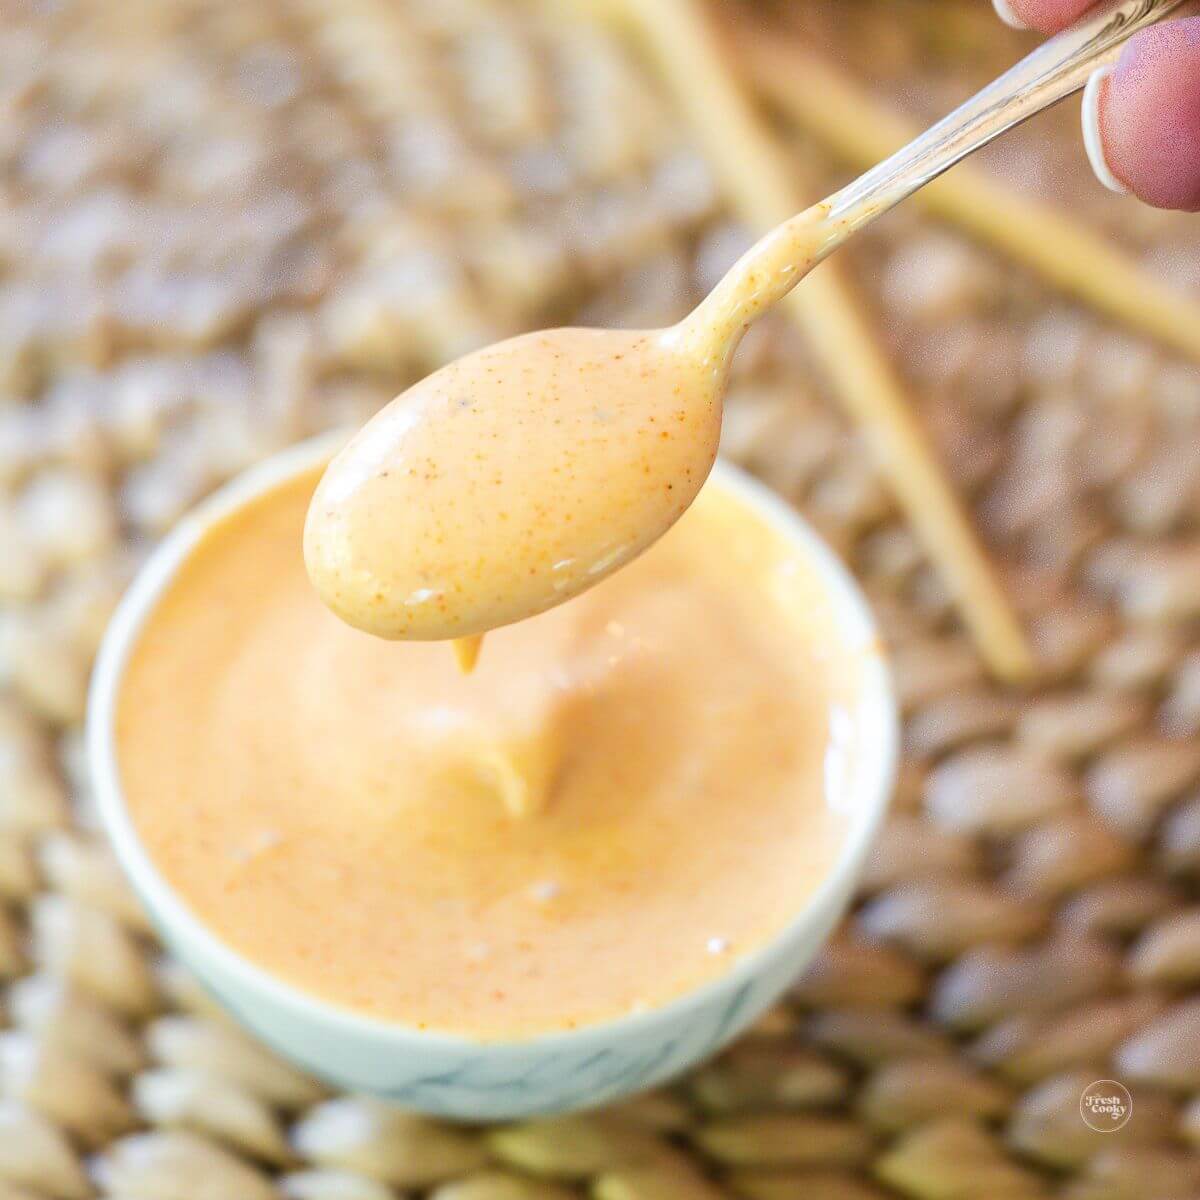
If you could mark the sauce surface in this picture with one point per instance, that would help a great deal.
(326, 801)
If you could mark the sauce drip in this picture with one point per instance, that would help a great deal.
(466, 652)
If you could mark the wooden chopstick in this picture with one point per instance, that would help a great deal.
(759, 179)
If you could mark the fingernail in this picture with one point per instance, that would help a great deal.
(1092, 139)
(1004, 10)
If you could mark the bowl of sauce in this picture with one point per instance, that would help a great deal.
(560, 878)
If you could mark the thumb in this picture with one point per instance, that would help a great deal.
(1141, 119)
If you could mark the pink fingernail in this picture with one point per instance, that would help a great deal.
(1092, 139)
(1004, 10)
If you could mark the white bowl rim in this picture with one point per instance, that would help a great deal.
(866, 807)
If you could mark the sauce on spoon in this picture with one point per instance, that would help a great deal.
(523, 474)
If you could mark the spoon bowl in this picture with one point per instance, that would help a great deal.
(513, 479)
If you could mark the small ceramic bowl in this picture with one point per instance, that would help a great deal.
(455, 1076)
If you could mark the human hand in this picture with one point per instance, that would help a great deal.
(1141, 118)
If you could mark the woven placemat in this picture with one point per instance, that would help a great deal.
(226, 225)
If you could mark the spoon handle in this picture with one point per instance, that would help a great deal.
(1052, 72)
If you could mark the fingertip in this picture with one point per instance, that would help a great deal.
(1147, 116)
(1048, 16)
(1008, 14)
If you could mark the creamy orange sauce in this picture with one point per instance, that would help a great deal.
(326, 801)
(521, 475)
(510, 481)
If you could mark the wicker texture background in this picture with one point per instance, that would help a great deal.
(226, 225)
